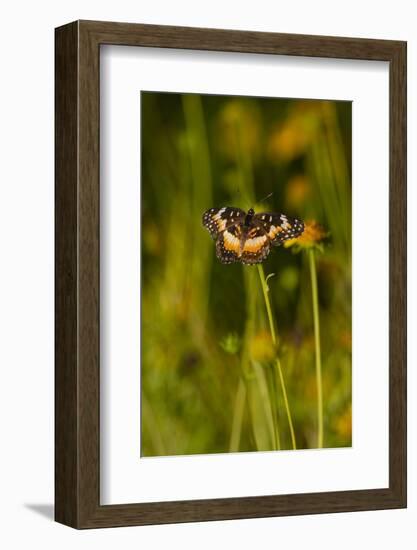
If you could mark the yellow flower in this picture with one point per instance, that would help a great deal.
(261, 347)
(312, 235)
(345, 339)
(297, 192)
(287, 142)
(343, 424)
(291, 138)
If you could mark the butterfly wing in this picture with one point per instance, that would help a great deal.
(228, 244)
(236, 242)
(278, 227)
(256, 246)
(217, 220)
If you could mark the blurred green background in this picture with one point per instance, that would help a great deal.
(208, 379)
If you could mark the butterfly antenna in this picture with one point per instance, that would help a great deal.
(267, 197)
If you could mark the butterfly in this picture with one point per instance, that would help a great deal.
(248, 237)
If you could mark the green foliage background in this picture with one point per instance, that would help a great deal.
(208, 382)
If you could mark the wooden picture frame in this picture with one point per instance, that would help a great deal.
(77, 373)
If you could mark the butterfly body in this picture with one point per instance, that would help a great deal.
(248, 237)
(249, 216)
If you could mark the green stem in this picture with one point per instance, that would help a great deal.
(254, 377)
(275, 411)
(200, 195)
(316, 319)
(238, 411)
(265, 291)
(287, 406)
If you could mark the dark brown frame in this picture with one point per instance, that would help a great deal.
(77, 274)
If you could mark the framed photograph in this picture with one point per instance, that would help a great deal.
(230, 274)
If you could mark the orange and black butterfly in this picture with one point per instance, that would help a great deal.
(247, 237)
